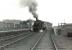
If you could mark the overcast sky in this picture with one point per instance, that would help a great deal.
(54, 11)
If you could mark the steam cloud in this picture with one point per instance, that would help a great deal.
(32, 4)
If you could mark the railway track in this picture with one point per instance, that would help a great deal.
(53, 42)
(34, 46)
(22, 36)
(11, 32)
(51, 39)
(11, 37)
(13, 40)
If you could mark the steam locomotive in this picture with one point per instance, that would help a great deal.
(38, 25)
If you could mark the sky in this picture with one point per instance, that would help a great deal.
(54, 11)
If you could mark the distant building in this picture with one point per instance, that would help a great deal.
(63, 29)
(6, 26)
(67, 28)
(2, 26)
(15, 23)
(12, 21)
(23, 24)
(57, 29)
(48, 25)
(30, 23)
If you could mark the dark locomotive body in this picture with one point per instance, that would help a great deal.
(38, 25)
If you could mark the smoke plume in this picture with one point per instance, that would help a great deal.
(32, 4)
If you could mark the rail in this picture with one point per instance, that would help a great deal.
(2, 47)
(12, 32)
(53, 42)
(37, 42)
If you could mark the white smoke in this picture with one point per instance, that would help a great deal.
(32, 4)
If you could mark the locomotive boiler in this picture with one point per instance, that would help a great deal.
(38, 25)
